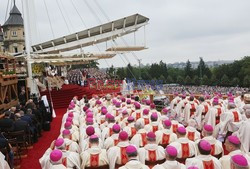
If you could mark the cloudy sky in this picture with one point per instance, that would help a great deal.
(178, 30)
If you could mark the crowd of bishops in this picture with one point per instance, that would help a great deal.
(205, 132)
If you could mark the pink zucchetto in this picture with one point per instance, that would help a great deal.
(89, 120)
(123, 99)
(205, 145)
(239, 160)
(145, 111)
(118, 104)
(104, 111)
(98, 102)
(167, 123)
(124, 112)
(116, 128)
(131, 149)
(208, 128)
(71, 114)
(107, 116)
(154, 115)
(90, 130)
(128, 101)
(181, 130)
(137, 106)
(71, 107)
(131, 119)
(56, 155)
(148, 102)
(234, 140)
(69, 119)
(171, 151)
(123, 135)
(93, 137)
(59, 142)
(90, 115)
(152, 106)
(165, 110)
(151, 135)
(66, 132)
(67, 125)
(192, 167)
(85, 108)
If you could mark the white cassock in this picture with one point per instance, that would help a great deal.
(137, 114)
(84, 144)
(202, 110)
(189, 111)
(144, 120)
(134, 164)
(94, 157)
(140, 139)
(130, 129)
(58, 166)
(244, 135)
(215, 144)
(169, 165)
(3, 163)
(225, 160)
(185, 147)
(213, 115)
(180, 110)
(230, 120)
(175, 125)
(165, 137)
(73, 129)
(192, 133)
(153, 126)
(69, 159)
(107, 131)
(71, 145)
(204, 162)
(152, 153)
(111, 141)
(117, 154)
(173, 104)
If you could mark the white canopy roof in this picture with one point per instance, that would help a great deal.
(98, 34)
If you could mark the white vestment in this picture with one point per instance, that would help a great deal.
(203, 162)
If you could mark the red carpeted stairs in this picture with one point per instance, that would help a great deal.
(32, 161)
(61, 98)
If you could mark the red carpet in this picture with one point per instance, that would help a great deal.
(32, 161)
(61, 98)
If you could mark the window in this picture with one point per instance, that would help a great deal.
(15, 50)
(14, 33)
(5, 34)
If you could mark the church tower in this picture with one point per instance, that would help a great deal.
(13, 32)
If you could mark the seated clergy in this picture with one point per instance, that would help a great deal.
(171, 154)
(94, 156)
(238, 161)
(204, 160)
(133, 161)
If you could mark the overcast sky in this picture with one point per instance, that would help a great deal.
(178, 30)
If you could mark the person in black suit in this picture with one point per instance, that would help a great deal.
(20, 125)
(6, 124)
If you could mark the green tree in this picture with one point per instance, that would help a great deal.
(180, 80)
(169, 79)
(235, 81)
(246, 81)
(111, 71)
(121, 73)
(205, 80)
(196, 80)
(188, 80)
(130, 71)
(224, 80)
(162, 78)
(188, 69)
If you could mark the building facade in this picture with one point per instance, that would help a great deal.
(13, 32)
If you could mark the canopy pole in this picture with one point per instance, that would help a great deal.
(30, 80)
